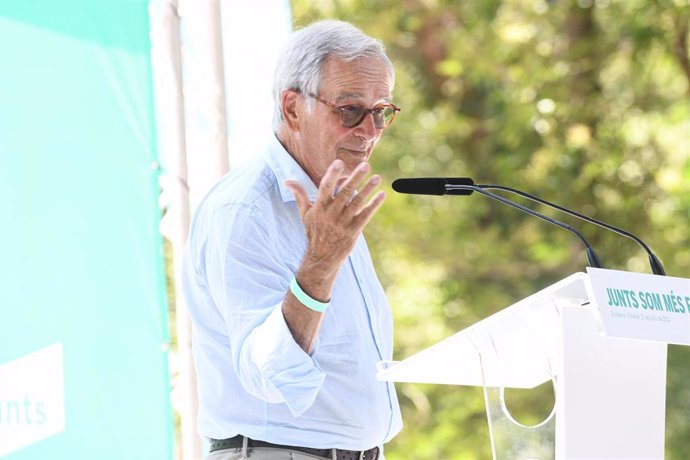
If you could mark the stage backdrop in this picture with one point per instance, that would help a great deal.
(83, 329)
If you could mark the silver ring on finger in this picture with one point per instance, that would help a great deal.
(354, 195)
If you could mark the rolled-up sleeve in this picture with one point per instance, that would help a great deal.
(249, 264)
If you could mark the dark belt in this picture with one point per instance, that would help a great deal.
(236, 442)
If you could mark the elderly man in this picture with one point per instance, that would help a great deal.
(289, 316)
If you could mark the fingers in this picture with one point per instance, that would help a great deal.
(345, 198)
(366, 213)
(359, 198)
(300, 194)
(357, 208)
(339, 199)
(349, 187)
(330, 180)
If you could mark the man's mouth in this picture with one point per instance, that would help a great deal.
(356, 151)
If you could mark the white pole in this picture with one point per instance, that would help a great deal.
(169, 110)
(206, 159)
(190, 92)
(204, 96)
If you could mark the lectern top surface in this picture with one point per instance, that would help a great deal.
(515, 347)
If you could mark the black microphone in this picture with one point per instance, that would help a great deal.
(654, 262)
(456, 185)
(432, 185)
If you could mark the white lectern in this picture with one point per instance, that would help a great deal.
(601, 337)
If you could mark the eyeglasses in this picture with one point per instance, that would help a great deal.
(352, 115)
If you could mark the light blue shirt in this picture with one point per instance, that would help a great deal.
(246, 243)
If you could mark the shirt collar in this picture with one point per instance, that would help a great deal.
(285, 167)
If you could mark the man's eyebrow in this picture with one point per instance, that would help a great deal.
(345, 96)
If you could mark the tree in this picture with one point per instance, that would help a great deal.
(585, 103)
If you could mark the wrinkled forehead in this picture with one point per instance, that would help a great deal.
(361, 78)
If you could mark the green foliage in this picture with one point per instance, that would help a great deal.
(585, 103)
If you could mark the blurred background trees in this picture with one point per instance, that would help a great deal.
(585, 103)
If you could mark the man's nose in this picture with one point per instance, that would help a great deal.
(367, 129)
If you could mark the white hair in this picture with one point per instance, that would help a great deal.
(299, 67)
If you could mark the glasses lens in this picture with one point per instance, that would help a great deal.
(383, 116)
(389, 115)
(379, 115)
(351, 115)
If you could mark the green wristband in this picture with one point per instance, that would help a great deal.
(305, 299)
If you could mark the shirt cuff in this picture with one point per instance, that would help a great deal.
(292, 373)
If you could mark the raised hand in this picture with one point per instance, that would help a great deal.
(333, 223)
(337, 217)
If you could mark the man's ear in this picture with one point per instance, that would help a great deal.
(291, 100)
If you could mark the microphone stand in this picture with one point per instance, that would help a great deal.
(654, 262)
(592, 257)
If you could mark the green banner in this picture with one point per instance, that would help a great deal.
(83, 325)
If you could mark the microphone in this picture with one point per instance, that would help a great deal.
(654, 262)
(432, 185)
(465, 186)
